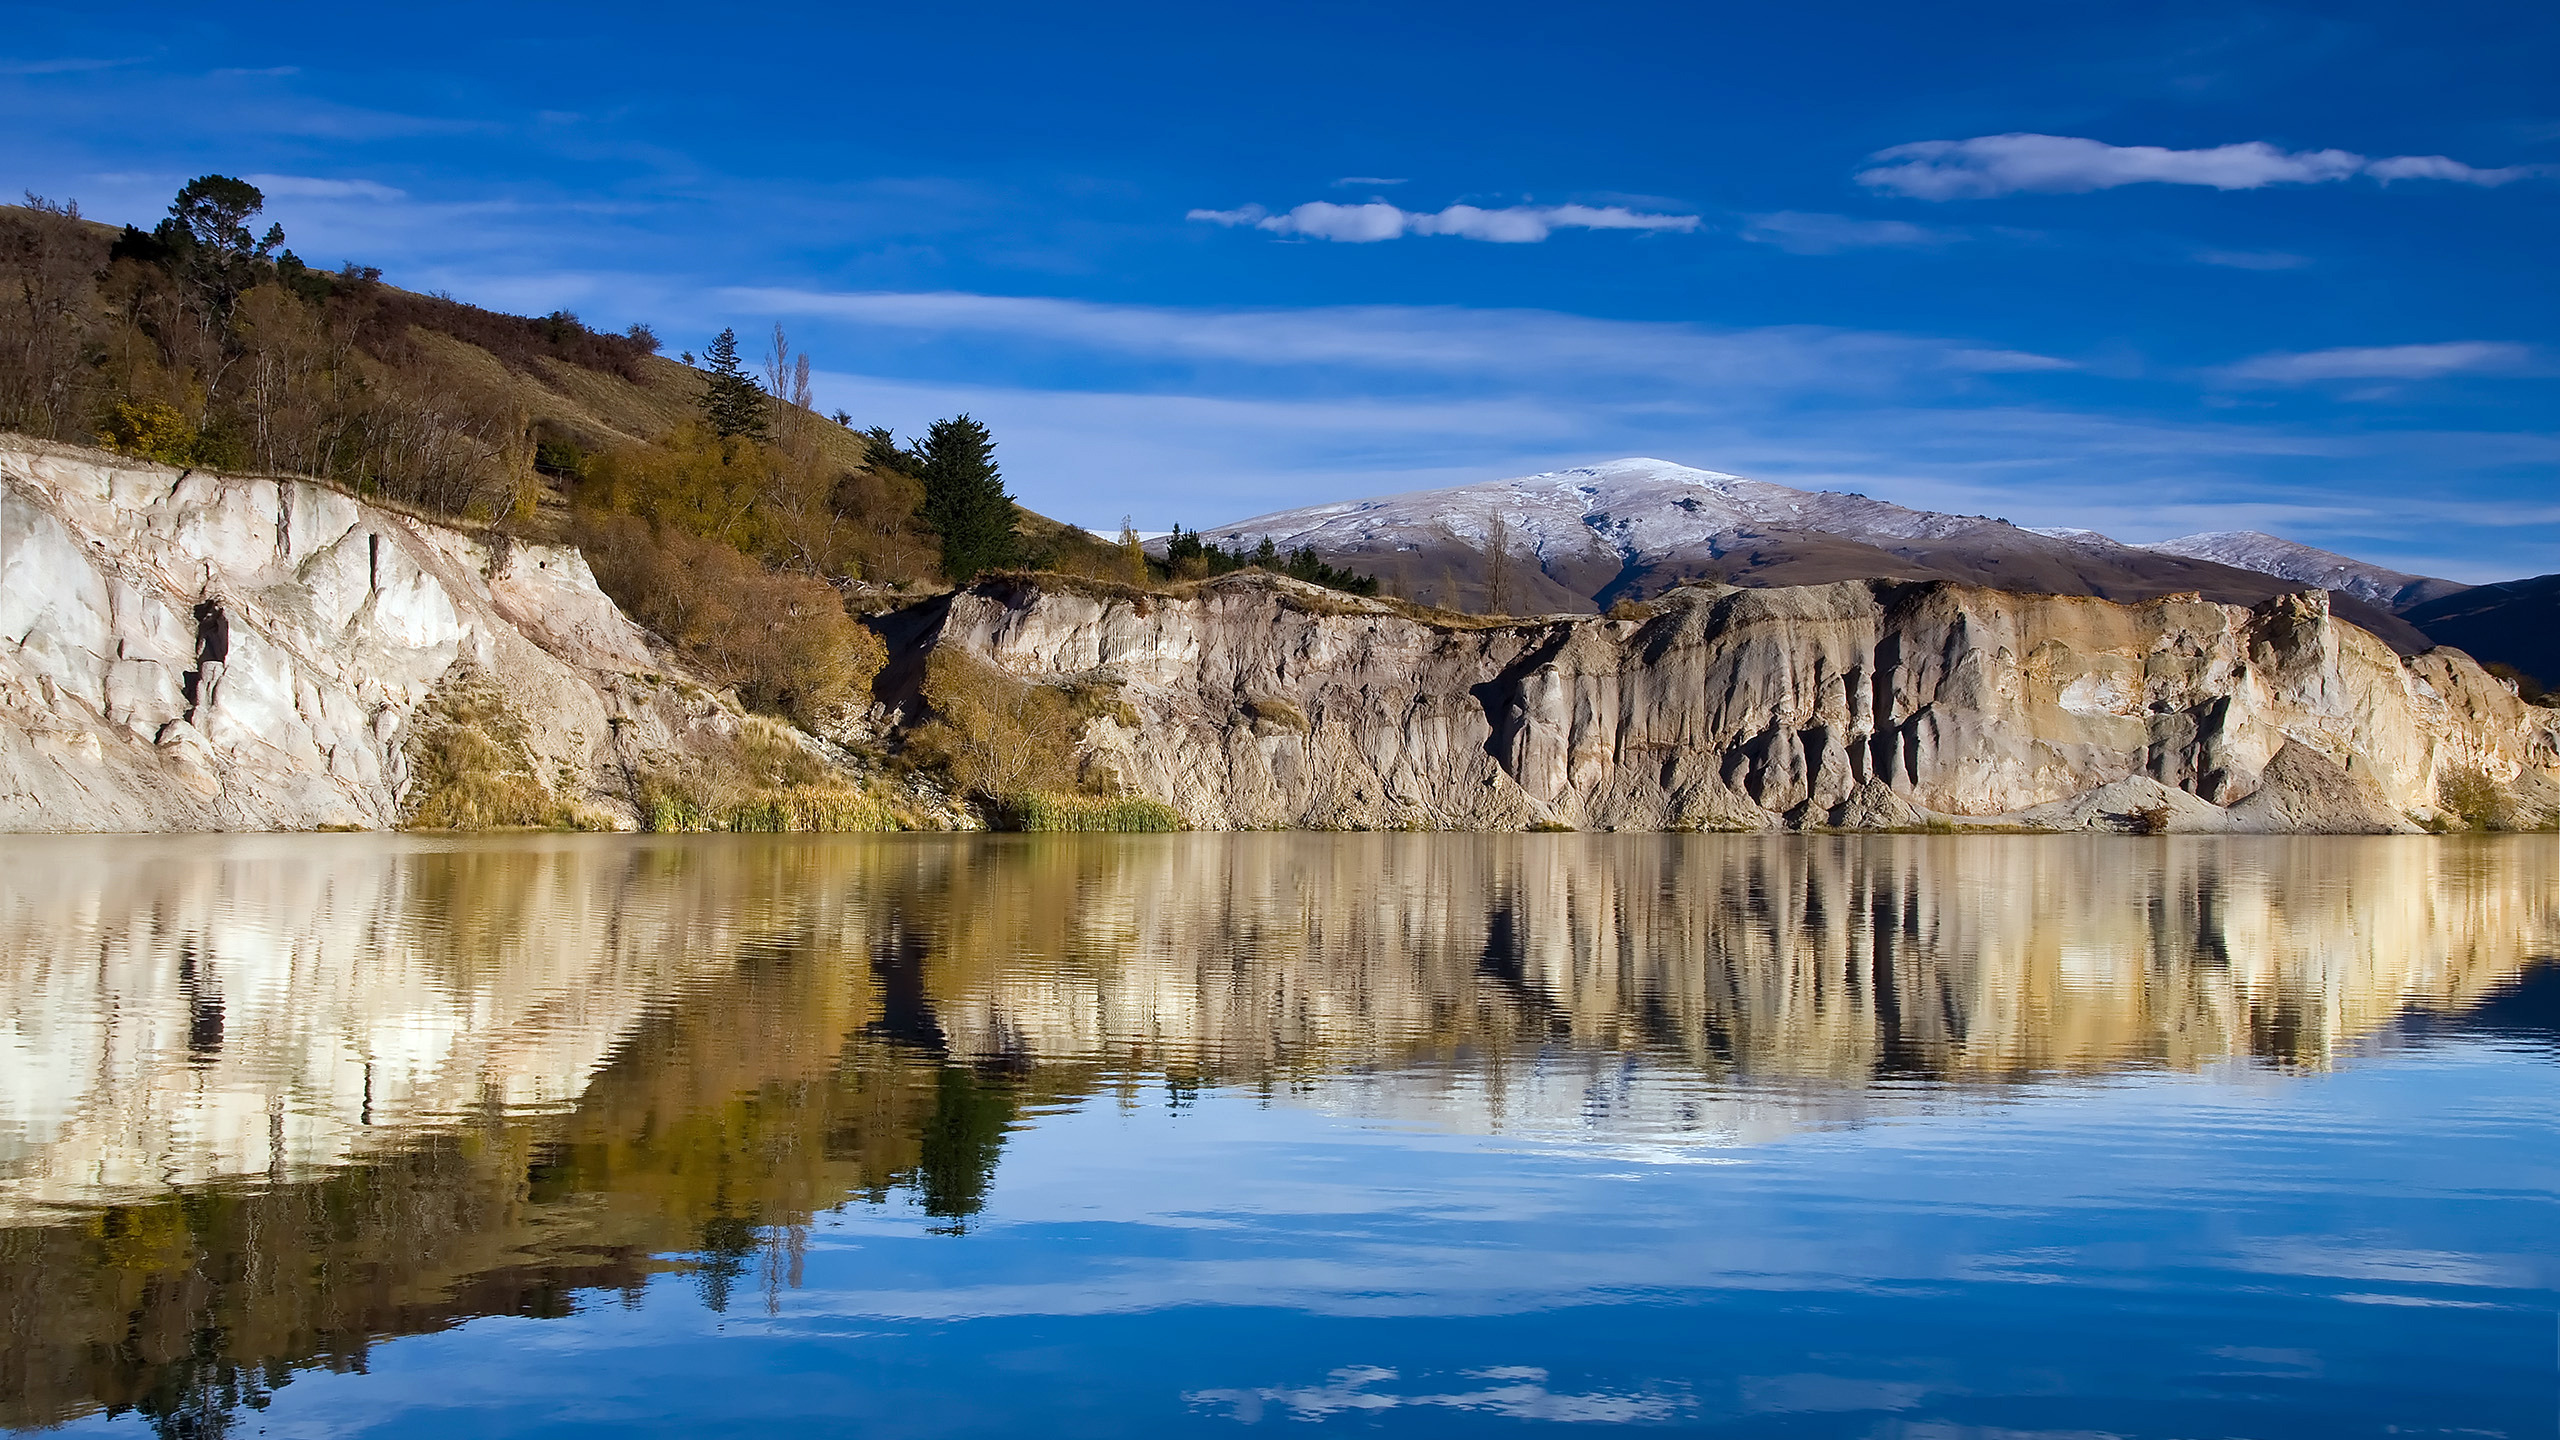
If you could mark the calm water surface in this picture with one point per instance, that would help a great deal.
(1888, 1137)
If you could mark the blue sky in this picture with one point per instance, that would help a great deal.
(2151, 269)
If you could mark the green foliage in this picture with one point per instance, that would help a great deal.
(560, 458)
(961, 1143)
(965, 500)
(881, 450)
(1188, 557)
(207, 237)
(149, 432)
(1048, 812)
(2478, 802)
(732, 403)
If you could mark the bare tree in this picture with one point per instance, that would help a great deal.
(1497, 561)
(786, 379)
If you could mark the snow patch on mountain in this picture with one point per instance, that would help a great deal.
(1639, 509)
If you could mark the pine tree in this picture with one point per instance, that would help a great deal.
(964, 498)
(731, 400)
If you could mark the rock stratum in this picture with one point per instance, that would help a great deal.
(1259, 702)
(346, 621)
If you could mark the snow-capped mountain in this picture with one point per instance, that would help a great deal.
(1628, 510)
(1629, 528)
(2393, 590)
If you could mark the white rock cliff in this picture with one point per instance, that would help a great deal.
(1262, 702)
(344, 619)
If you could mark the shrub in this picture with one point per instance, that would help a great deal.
(1272, 715)
(152, 431)
(2478, 801)
(996, 735)
(762, 781)
(1048, 812)
(784, 640)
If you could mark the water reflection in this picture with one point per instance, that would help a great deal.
(265, 1101)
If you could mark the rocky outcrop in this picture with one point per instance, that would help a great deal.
(345, 620)
(1262, 702)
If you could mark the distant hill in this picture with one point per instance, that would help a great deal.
(1627, 529)
(2513, 622)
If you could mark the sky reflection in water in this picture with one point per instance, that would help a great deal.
(1886, 1136)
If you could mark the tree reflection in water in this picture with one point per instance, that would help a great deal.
(276, 1099)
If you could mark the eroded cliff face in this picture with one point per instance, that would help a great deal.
(344, 621)
(1261, 702)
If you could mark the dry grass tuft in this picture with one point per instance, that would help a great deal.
(764, 782)
(470, 769)
(1049, 812)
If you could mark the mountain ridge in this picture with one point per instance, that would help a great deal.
(2395, 590)
(1586, 537)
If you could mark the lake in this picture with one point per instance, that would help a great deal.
(1919, 1137)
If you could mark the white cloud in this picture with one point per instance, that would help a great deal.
(2060, 164)
(314, 188)
(2384, 362)
(1378, 220)
(1989, 165)
(1812, 234)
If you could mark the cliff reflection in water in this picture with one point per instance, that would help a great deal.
(265, 1100)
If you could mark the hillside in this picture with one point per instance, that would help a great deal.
(1586, 538)
(2513, 622)
(195, 344)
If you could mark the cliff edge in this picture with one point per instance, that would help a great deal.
(1255, 701)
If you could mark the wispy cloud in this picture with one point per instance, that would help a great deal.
(2251, 259)
(1367, 180)
(1990, 165)
(2384, 362)
(1815, 234)
(311, 187)
(1378, 220)
(66, 65)
(1406, 339)
(2439, 167)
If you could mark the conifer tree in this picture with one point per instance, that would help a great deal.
(731, 402)
(965, 499)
